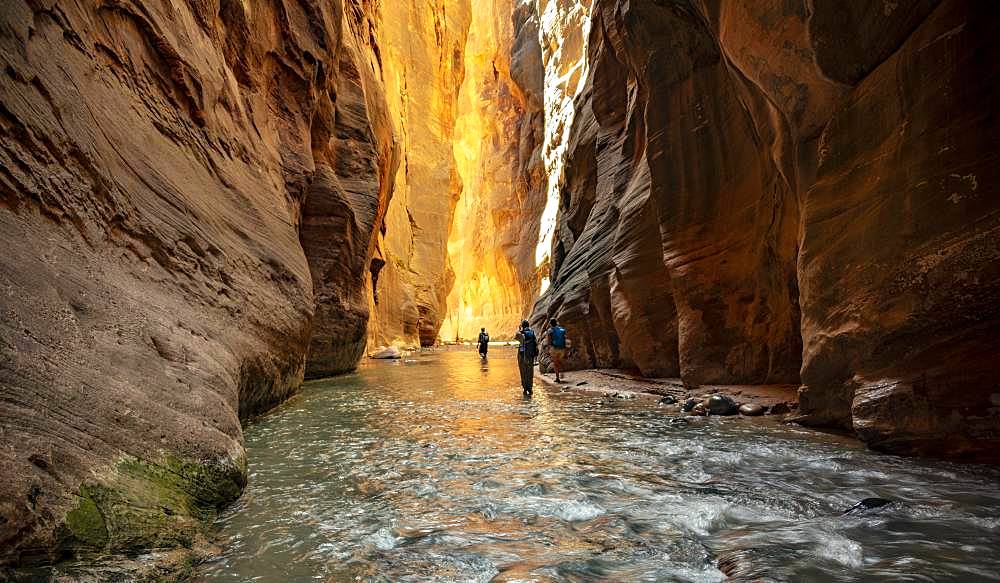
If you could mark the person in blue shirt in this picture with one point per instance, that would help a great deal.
(527, 351)
(483, 342)
(555, 341)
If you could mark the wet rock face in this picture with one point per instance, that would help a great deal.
(900, 258)
(157, 162)
(761, 193)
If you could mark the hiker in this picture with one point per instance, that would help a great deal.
(526, 354)
(484, 342)
(555, 341)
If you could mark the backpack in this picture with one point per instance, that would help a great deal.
(484, 337)
(558, 337)
(529, 346)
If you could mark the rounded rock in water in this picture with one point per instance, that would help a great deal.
(721, 405)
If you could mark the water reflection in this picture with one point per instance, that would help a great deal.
(438, 469)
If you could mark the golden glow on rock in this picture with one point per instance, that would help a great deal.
(564, 29)
(487, 292)
(422, 44)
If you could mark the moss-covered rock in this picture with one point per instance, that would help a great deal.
(141, 504)
(86, 523)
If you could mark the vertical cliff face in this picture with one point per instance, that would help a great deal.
(158, 160)
(763, 192)
(498, 139)
(564, 29)
(900, 250)
(424, 54)
(347, 196)
(458, 246)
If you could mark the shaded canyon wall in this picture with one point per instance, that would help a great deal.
(157, 160)
(775, 192)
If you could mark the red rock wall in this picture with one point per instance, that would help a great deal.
(156, 162)
(762, 192)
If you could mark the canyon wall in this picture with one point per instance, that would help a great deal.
(423, 48)
(777, 192)
(458, 246)
(498, 145)
(157, 160)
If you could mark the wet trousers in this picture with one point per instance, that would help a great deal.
(527, 368)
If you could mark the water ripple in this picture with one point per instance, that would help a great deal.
(436, 469)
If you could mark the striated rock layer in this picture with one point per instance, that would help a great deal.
(156, 162)
(776, 192)
(498, 147)
(423, 50)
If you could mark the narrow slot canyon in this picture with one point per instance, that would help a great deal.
(249, 247)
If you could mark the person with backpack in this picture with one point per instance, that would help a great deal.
(555, 341)
(526, 354)
(484, 342)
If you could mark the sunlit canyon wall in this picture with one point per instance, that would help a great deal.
(465, 87)
(190, 194)
(785, 192)
(565, 25)
(498, 150)
(423, 50)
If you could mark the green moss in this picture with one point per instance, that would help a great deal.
(86, 523)
(139, 504)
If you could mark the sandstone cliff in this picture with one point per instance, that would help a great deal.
(498, 144)
(771, 192)
(157, 160)
(423, 49)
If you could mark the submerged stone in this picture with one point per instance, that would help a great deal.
(390, 352)
(867, 505)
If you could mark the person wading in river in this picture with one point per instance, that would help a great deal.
(484, 342)
(526, 354)
(555, 341)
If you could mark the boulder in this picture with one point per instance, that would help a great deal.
(751, 409)
(721, 405)
(867, 506)
(779, 409)
(388, 353)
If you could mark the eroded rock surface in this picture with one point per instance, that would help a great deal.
(424, 54)
(498, 144)
(156, 162)
(767, 192)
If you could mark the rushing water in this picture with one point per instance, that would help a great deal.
(437, 469)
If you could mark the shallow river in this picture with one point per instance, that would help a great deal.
(437, 469)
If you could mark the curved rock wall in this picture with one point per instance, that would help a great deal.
(424, 54)
(156, 162)
(498, 143)
(767, 192)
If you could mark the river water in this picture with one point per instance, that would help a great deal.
(436, 468)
